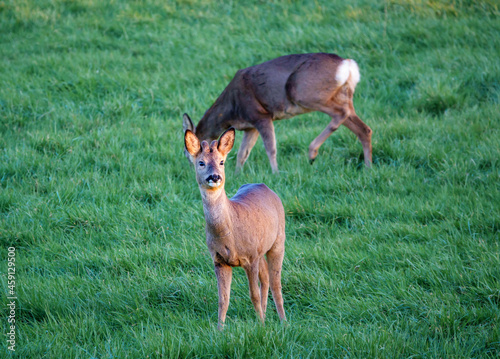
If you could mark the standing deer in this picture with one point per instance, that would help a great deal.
(240, 230)
(282, 88)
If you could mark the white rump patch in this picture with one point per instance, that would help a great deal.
(348, 68)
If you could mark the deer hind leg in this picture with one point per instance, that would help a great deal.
(249, 138)
(224, 276)
(264, 284)
(252, 272)
(275, 262)
(364, 134)
(338, 116)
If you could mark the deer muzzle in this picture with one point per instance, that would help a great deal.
(214, 180)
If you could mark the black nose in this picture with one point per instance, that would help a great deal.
(214, 178)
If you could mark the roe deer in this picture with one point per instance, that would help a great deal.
(241, 230)
(282, 88)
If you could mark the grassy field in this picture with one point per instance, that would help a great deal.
(106, 218)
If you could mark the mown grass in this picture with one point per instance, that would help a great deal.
(106, 217)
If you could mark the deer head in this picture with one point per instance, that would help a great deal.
(209, 159)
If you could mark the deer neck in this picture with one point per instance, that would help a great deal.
(216, 207)
(217, 117)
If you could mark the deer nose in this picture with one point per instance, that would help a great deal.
(214, 180)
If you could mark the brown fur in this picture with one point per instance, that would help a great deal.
(240, 230)
(278, 89)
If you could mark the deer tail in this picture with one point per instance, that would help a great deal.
(348, 73)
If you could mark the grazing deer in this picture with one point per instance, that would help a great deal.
(282, 88)
(240, 230)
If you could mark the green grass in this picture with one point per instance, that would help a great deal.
(105, 215)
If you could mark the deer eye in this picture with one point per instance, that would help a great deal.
(222, 163)
(201, 163)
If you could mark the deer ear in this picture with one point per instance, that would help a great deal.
(192, 143)
(187, 124)
(226, 141)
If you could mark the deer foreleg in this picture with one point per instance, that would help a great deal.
(266, 130)
(252, 272)
(224, 276)
(249, 138)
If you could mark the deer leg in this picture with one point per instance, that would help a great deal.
(264, 284)
(249, 138)
(252, 272)
(275, 262)
(364, 134)
(224, 276)
(266, 130)
(337, 118)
